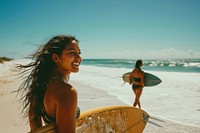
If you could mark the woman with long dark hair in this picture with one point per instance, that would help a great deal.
(46, 93)
(137, 76)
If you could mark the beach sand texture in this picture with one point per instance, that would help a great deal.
(89, 97)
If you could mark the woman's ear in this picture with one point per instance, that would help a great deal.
(55, 58)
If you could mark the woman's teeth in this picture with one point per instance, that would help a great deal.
(76, 64)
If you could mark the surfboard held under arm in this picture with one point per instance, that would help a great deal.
(149, 79)
(111, 119)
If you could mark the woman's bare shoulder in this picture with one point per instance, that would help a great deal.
(58, 88)
(59, 94)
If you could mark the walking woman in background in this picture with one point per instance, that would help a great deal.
(46, 93)
(137, 81)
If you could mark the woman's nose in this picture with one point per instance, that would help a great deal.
(78, 56)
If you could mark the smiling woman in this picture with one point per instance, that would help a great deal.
(48, 96)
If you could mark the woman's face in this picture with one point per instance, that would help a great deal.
(70, 58)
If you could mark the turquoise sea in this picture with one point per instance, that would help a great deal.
(169, 65)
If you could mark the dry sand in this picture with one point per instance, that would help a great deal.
(12, 121)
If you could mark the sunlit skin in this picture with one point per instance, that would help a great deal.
(60, 99)
(137, 73)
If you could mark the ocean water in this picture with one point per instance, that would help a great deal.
(177, 98)
(171, 65)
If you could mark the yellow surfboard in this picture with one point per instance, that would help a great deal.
(111, 119)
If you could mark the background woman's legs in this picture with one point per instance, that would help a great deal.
(138, 93)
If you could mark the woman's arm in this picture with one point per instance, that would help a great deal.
(130, 77)
(142, 78)
(66, 109)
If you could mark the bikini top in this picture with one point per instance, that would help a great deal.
(49, 119)
(136, 79)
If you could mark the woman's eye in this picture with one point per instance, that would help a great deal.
(74, 52)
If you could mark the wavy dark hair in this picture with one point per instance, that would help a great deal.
(138, 63)
(39, 72)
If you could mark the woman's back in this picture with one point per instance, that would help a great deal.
(59, 99)
(50, 97)
(138, 75)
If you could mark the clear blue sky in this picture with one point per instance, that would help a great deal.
(105, 28)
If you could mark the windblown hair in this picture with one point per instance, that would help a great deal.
(138, 63)
(39, 71)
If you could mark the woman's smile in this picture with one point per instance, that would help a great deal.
(76, 64)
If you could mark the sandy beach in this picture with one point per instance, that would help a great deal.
(89, 97)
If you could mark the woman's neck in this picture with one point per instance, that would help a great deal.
(62, 75)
